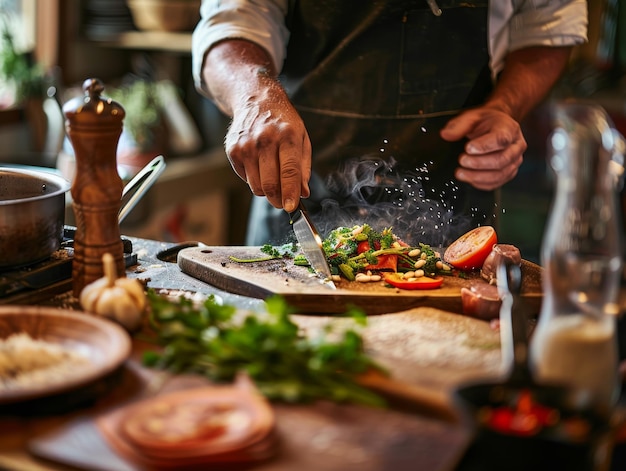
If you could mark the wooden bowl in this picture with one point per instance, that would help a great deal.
(104, 344)
(165, 15)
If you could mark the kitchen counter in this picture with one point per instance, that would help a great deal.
(428, 353)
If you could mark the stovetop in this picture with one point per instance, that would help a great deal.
(45, 279)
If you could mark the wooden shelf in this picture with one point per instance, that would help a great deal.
(147, 40)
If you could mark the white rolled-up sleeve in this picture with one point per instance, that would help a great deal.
(526, 23)
(258, 21)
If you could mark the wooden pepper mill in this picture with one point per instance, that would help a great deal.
(94, 126)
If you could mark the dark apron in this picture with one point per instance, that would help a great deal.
(374, 82)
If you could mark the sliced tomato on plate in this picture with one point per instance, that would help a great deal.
(423, 282)
(470, 250)
(385, 263)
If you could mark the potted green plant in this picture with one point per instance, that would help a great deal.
(17, 68)
(27, 81)
(145, 133)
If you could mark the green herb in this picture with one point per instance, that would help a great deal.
(285, 364)
(272, 252)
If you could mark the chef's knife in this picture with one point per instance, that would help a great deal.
(311, 244)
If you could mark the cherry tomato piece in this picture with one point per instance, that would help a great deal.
(363, 246)
(470, 251)
(423, 282)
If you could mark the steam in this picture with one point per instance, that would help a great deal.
(373, 191)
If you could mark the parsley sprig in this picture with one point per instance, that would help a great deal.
(272, 253)
(283, 362)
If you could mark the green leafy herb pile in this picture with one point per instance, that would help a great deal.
(285, 364)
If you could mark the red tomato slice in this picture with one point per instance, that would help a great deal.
(470, 250)
(385, 263)
(423, 282)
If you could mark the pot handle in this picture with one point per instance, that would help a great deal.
(139, 185)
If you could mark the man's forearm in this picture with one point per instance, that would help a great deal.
(528, 76)
(236, 70)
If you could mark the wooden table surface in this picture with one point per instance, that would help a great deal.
(428, 352)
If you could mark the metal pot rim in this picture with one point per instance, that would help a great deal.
(57, 180)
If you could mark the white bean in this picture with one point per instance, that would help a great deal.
(408, 274)
(419, 263)
(375, 278)
(362, 278)
(419, 273)
(414, 253)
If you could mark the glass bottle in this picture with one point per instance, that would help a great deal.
(575, 340)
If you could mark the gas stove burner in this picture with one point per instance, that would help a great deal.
(47, 278)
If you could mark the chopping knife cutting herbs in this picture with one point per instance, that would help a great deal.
(215, 341)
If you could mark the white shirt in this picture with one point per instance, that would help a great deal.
(513, 24)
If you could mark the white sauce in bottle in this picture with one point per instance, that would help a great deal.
(581, 352)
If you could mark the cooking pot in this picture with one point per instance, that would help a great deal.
(32, 210)
(32, 214)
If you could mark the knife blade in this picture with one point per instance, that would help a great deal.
(311, 244)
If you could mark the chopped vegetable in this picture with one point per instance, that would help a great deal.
(269, 347)
(470, 250)
(423, 282)
(361, 249)
(384, 263)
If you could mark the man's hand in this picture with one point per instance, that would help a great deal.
(267, 143)
(495, 147)
(269, 148)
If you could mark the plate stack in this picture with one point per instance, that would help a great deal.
(103, 18)
(202, 427)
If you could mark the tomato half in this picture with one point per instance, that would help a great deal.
(423, 282)
(470, 250)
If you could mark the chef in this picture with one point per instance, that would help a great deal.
(377, 109)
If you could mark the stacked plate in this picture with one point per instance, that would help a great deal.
(193, 428)
(102, 18)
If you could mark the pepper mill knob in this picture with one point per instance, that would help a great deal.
(94, 125)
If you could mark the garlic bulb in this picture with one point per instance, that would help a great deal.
(120, 299)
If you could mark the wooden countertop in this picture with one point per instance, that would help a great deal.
(428, 352)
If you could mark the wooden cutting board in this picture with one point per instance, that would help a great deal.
(305, 292)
